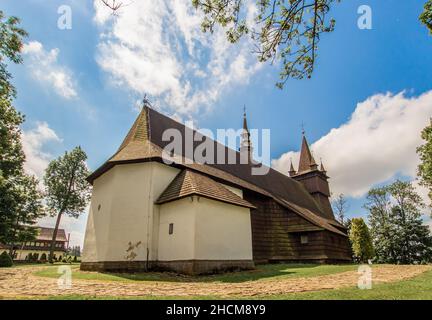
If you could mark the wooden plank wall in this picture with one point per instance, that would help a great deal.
(276, 235)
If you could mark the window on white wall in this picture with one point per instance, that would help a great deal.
(171, 228)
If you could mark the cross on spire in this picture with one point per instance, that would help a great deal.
(146, 101)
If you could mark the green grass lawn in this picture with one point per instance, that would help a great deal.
(261, 273)
(419, 287)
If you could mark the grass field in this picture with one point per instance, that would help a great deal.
(262, 273)
(417, 288)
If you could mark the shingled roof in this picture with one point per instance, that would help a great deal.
(47, 233)
(307, 161)
(188, 183)
(144, 143)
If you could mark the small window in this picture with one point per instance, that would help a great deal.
(171, 228)
(304, 240)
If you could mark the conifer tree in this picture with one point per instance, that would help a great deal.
(361, 240)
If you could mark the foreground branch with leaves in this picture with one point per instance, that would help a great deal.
(426, 16)
(289, 31)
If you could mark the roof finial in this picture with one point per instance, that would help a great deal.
(303, 128)
(146, 102)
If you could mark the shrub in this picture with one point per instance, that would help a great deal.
(75, 259)
(43, 257)
(5, 260)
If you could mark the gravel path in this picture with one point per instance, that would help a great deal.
(21, 282)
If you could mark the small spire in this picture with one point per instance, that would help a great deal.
(245, 126)
(291, 172)
(322, 166)
(246, 144)
(313, 164)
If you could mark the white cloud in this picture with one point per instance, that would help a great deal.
(33, 142)
(378, 143)
(157, 47)
(45, 68)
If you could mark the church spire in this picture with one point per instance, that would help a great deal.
(307, 161)
(322, 169)
(291, 171)
(246, 148)
(245, 126)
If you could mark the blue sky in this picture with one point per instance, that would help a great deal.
(81, 86)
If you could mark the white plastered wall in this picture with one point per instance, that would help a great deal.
(181, 244)
(204, 229)
(223, 231)
(122, 211)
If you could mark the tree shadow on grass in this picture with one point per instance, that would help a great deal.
(259, 273)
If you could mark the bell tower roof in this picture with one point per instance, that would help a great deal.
(307, 161)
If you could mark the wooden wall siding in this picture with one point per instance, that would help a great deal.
(276, 235)
(336, 246)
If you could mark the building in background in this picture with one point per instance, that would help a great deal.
(39, 248)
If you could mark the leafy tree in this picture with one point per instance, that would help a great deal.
(67, 191)
(75, 251)
(361, 240)
(28, 208)
(340, 206)
(425, 154)
(382, 231)
(398, 232)
(426, 16)
(20, 200)
(11, 36)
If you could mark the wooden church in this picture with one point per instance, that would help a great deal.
(192, 217)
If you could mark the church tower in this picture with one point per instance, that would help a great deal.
(246, 149)
(313, 178)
